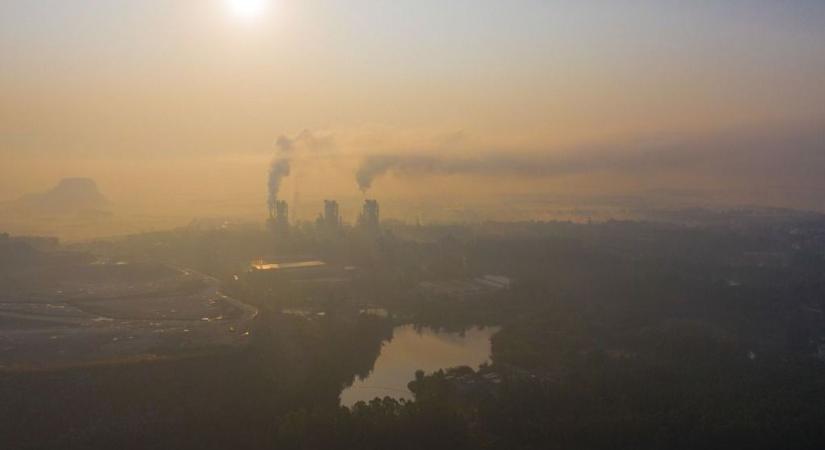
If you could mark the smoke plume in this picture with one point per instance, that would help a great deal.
(375, 166)
(280, 167)
(792, 157)
(277, 171)
(289, 148)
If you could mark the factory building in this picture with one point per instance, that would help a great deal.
(302, 281)
(331, 219)
(279, 217)
(369, 219)
(332, 216)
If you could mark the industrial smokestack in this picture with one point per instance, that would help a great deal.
(332, 216)
(369, 220)
(282, 211)
(279, 217)
(277, 171)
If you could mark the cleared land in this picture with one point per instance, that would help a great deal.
(61, 315)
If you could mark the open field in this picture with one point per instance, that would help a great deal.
(82, 313)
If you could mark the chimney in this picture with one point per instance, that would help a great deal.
(369, 219)
(332, 216)
(279, 217)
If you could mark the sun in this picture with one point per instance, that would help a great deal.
(247, 9)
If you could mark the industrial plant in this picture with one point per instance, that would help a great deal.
(279, 217)
(369, 219)
(329, 221)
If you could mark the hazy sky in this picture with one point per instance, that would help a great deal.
(169, 102)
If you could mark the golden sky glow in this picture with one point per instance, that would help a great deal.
(174, 91)
(247, 9)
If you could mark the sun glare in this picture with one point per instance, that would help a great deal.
(247, 9)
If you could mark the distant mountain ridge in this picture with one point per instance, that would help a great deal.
(70, 196)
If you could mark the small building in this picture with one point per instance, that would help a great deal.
(308, 278)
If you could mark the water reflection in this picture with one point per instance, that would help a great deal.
(425, 349)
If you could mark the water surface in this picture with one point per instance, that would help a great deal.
(411, 350)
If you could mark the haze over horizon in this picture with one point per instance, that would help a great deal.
(177, 107)
(412, 224)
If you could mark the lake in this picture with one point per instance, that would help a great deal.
(423, 349)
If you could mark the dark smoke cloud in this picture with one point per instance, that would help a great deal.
(305, 140)
(278, 170)
(789, 158)
(284, 144)
(375, 166)
(280, 167)
(286, 149)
